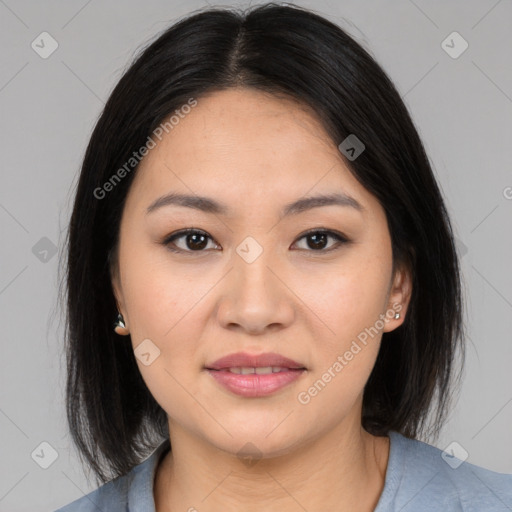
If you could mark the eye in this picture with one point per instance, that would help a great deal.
(317, 240)
(195, 240)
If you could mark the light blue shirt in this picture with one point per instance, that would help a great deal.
(418, 479)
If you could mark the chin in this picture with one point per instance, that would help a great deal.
(258, 441)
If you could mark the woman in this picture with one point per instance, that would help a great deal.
(257, 211)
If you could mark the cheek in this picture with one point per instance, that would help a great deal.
(348, 299)
(163, 305)
(345, 353)
(354, 303)
(159, 295)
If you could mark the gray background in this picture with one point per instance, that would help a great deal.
(462, 108)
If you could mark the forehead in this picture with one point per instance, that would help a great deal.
(246, 146)
(236, 122)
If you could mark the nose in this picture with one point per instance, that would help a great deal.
(254, 298)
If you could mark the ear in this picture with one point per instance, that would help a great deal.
(117, 290)
(399, 297)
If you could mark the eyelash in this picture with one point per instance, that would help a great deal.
(341, 239)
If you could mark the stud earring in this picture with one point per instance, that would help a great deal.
(397, 315)
(120, 326)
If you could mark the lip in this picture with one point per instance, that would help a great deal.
(255, 385)
(242, 359)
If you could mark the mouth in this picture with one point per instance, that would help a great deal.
(257, 370)
(253, 376)
(245, 361)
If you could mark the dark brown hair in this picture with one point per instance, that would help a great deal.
(286, 51)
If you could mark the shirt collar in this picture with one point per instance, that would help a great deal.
(140, 493)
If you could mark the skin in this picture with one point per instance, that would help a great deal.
(255, 153)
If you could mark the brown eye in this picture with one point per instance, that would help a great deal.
(318, 240)
(193, 241)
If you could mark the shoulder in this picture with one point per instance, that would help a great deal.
(133, 491)
(423, 477)
(112, 496)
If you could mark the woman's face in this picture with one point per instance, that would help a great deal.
(250, 279)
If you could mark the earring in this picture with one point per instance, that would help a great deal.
(120, 326)
(397, 315)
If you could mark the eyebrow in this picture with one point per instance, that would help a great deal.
(208, 205)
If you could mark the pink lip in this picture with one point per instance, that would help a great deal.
(254, 385)
(253, 361)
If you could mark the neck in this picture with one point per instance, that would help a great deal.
(343, 470)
